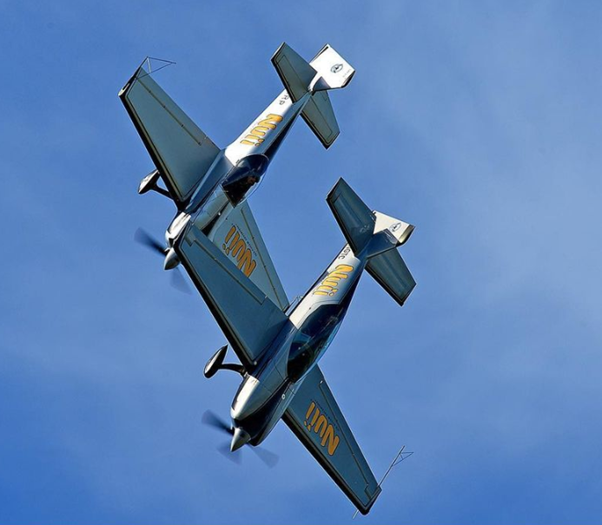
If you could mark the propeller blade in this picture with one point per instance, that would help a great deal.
(179, 282)
(144, 238)
(235, 457)
(269, 458)
(210, 419)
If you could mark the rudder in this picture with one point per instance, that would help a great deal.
(319, 116)
(335, 71)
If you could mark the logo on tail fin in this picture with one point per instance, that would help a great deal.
(336, 68)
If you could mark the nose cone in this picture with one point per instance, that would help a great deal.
(240, 438)
(171, 260)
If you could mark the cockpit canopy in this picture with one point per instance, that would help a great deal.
(314, 336)
(244, 177)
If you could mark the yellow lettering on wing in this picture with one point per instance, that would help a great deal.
(320, 425)
(235, 246)
(331, 439)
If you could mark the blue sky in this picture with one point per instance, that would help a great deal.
(479, 122)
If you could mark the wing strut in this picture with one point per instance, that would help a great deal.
(149, 64)
(401, 455)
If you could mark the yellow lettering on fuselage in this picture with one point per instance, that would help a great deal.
(235, 246)
(328, 286)
(322, 427)
(255, 138)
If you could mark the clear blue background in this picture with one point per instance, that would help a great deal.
(479, 122)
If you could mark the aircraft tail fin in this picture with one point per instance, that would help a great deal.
(328, 70)
(373, 235)
(333, 69)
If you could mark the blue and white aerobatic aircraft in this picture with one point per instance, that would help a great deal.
(217, 241)
(210, 186)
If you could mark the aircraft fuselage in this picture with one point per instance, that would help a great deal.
(268, 389)
(239, 168)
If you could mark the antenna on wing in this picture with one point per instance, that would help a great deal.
(400, 456)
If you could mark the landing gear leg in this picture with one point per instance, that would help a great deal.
(217, 363)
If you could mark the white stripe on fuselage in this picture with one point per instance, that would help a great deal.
(256, 139)
(332, 286)
(266, 128)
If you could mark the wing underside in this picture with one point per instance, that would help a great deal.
(238, 237)
(316, 419)
(180, 150)
(248, 318)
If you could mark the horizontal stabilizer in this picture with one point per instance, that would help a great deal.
(328, 70)
(355, 219)
(364, 229)
(373, 236)
(319, 116)
(390, 271)
(294, 71)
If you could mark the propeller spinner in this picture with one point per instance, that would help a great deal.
(171, 259)
(239, 438)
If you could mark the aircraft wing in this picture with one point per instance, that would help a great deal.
(248, 318)
(316, 419)
(180, 150)
(239, 238)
